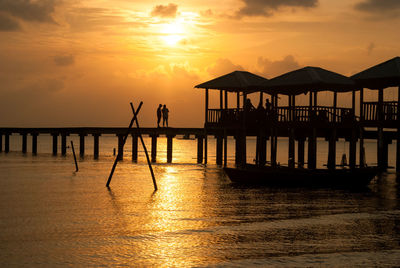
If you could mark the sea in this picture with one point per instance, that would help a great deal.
(53, 216)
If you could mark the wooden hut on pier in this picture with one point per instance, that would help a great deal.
(309, 122)
(224, 118)
(381, 114)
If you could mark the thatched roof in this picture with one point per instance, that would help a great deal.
(237, 81)
(308, 79)
(383, 75)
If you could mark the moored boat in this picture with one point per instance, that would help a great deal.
(300, 177)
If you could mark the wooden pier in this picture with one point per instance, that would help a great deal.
(379, 120)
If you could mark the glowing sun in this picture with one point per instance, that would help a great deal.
(172, 32)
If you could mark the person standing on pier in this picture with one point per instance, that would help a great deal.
(165, 112)
(159, 115)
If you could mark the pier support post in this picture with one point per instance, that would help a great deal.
(134, 148)
(398, 147)
(1, 142)
(240, 144)
(120, 155)
(24, 142)
(361, 149)
(385, 152)
(34, 143)
(199, 149)
(262, 149)
(7, 142)
(63, 144)
(96, 145)
(274, 147)
(82, 145)
(291, 152)
(55, 143)
(353, 148)
(225, 140)
(154, 148)
(300, 152)
(312, 149)
(380, 148)
(169, 148)
(332, 150)
(219, 150)
(205, 148)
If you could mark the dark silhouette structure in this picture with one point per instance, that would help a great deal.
(305, 124)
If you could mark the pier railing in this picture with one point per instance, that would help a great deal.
(389, 111)
(223, 117)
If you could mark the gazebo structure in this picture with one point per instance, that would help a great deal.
(239, 82)
(313, 120)
(381, 114)
(301, 123)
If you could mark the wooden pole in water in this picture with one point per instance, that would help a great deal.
(144, 145)
(73, 152)
(398, 133)
(126, 136)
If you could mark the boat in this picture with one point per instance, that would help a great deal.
(282, 176)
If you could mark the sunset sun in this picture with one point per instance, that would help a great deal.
(172, 32)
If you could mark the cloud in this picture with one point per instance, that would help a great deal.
(223, 66)
(168, 11)
(268, 7)
(64, 60)
(273, 68)
(386, 8)
(8, 24)
(29, 10)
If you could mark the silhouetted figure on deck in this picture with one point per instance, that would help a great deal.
(248, 106)
(165, 112)
(159, 113)
(267, 105)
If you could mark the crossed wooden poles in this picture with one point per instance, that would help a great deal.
(134, 120)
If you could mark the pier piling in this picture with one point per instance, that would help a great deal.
(300, 152)
(82, 145)
(312, 150)
(353, 148)
(24, 142)
(169, 148)
(219, 146)
(1, 142)
(6, 142)
(120, 155)
(55, 143)
(291, 153)
(63, 144)
(134, 148)
(34, 143)
(96, 146)
(332, 150)
(154, 148)
(199, 149)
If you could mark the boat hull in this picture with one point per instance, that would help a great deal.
(296, 177)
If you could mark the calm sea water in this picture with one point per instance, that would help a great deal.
(52, 216)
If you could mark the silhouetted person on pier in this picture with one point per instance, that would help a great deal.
(159, 113)
(165, 112)
(267, 105)
(248, 106)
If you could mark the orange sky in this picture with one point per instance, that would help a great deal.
(79, 63)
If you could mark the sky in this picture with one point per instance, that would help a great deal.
(80, 62)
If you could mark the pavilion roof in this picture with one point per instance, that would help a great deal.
(383, 75)
(308, 79)
(237, 81)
